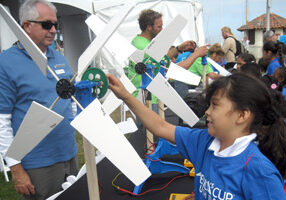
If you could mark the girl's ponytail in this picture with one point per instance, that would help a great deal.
(272, 139)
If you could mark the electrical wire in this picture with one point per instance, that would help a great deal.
(147, 191)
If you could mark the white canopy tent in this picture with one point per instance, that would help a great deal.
(77, 36)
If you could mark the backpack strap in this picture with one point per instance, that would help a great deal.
(235, 44)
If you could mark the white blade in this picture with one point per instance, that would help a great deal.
(118, 46)
(137, 56)
(112, 102)
(161, 88)
(222, 71)
(33, 50)
(88, 55)
(37, 123)
(108, 139)
(160, 45)
(180, 74)
(127, 126)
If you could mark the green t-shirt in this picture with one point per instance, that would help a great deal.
(140, 43)
(197, 67)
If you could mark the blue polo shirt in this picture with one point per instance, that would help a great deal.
(273, 65)
(22, 82)
(249, 175)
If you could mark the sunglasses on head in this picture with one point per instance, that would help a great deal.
(47, 25)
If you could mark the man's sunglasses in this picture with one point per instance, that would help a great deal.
(47, 25)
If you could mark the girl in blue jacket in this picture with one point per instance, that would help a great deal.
(242, 154)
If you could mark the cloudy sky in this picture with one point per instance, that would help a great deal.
(219, 13)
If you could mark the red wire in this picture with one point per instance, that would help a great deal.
(151, 190)
(152, 160)
(101, 188)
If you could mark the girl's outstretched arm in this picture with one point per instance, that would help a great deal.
(153, 122)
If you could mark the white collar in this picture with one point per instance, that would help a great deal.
(239, 145)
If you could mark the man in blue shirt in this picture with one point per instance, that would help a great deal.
(41, 172)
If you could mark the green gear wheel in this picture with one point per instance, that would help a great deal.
(96, 75)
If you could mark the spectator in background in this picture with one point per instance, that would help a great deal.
(251, 69)
(263, 63)
(245, 43)
(217, 54)
(272, 52)
(243, 59)
(270, 36)
(229, 46)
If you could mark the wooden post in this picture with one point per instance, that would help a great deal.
(149, 135)
(91, 170)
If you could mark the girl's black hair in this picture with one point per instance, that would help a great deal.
(252, 69)
(247, 57)
(267, 107)
(276, 49)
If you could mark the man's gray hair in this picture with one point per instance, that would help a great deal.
(28, 10)
(268, 34)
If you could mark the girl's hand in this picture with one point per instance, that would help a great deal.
(117, 87)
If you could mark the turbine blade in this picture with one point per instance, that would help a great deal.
(127, 126)
(222, 71)
(88, 55)
(111, 102)
(37, 124)
(180, 74)
(123, 48)
(161, 88)
(105, 137)
(160, 45)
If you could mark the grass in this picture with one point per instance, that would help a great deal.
(7, 191)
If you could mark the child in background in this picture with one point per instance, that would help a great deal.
(280, 75)
(244, 58)
(272, 52)
(229, 164)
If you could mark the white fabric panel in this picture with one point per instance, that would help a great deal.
(85, 5)
(76, 39)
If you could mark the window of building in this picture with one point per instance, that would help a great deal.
(251, 36)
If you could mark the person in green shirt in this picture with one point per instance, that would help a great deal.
(151, 24)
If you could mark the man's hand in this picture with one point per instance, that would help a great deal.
(21, 180)
(202, 51)
(187, 45)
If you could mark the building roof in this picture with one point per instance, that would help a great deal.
(276, 21)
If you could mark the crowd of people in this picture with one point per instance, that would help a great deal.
(241, 153)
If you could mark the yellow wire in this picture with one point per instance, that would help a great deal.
(115, 180)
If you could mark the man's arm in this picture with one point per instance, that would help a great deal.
(181, 48)
(202, 51)
(21, 179)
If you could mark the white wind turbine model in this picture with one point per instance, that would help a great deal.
(106, 136)
(156, 49)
